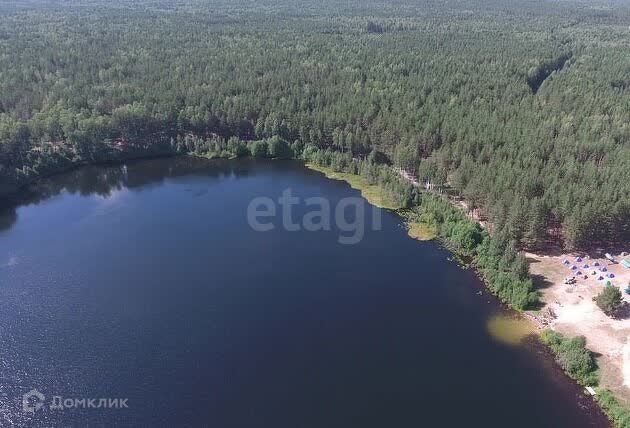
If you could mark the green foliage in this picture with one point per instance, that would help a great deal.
(237, 147)
(279, 148)
(527, 120)
(572, 355)
(504, 270)
(537, 139)
(297, 148)
(467, 236)
(259, 149)
(618, 414)
(579, 363)
(610, 299)
(311, 153)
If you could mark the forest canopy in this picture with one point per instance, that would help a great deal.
(521, 108)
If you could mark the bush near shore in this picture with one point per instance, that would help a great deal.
(495, 256)
(572, 355)
(579, 363)
(616, 412)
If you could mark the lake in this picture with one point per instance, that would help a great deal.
(146, 285)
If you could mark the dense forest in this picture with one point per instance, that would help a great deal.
(521, 108)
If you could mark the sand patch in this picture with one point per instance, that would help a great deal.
(577, 314)
(626, 363)
(509, 330)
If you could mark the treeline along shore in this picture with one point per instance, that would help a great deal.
(518, 108)
(495, 257)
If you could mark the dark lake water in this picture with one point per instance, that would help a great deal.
(145, 282)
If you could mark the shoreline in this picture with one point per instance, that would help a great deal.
(545, 318)
(14, 191)
(372, 193)
(574, 313)
(187, 177)
(537, 324)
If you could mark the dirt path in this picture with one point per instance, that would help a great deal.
(457, 203)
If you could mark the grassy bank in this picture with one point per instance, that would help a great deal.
(579, 364)
(373, 193)
(420, 226)
(427, 216)
(417, 228)
(422, 231)
(618, 414)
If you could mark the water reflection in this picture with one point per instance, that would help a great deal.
(108, 180)
(144, 291)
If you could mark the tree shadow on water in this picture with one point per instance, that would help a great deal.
(8, 217)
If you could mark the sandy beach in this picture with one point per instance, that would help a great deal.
(575, 313)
